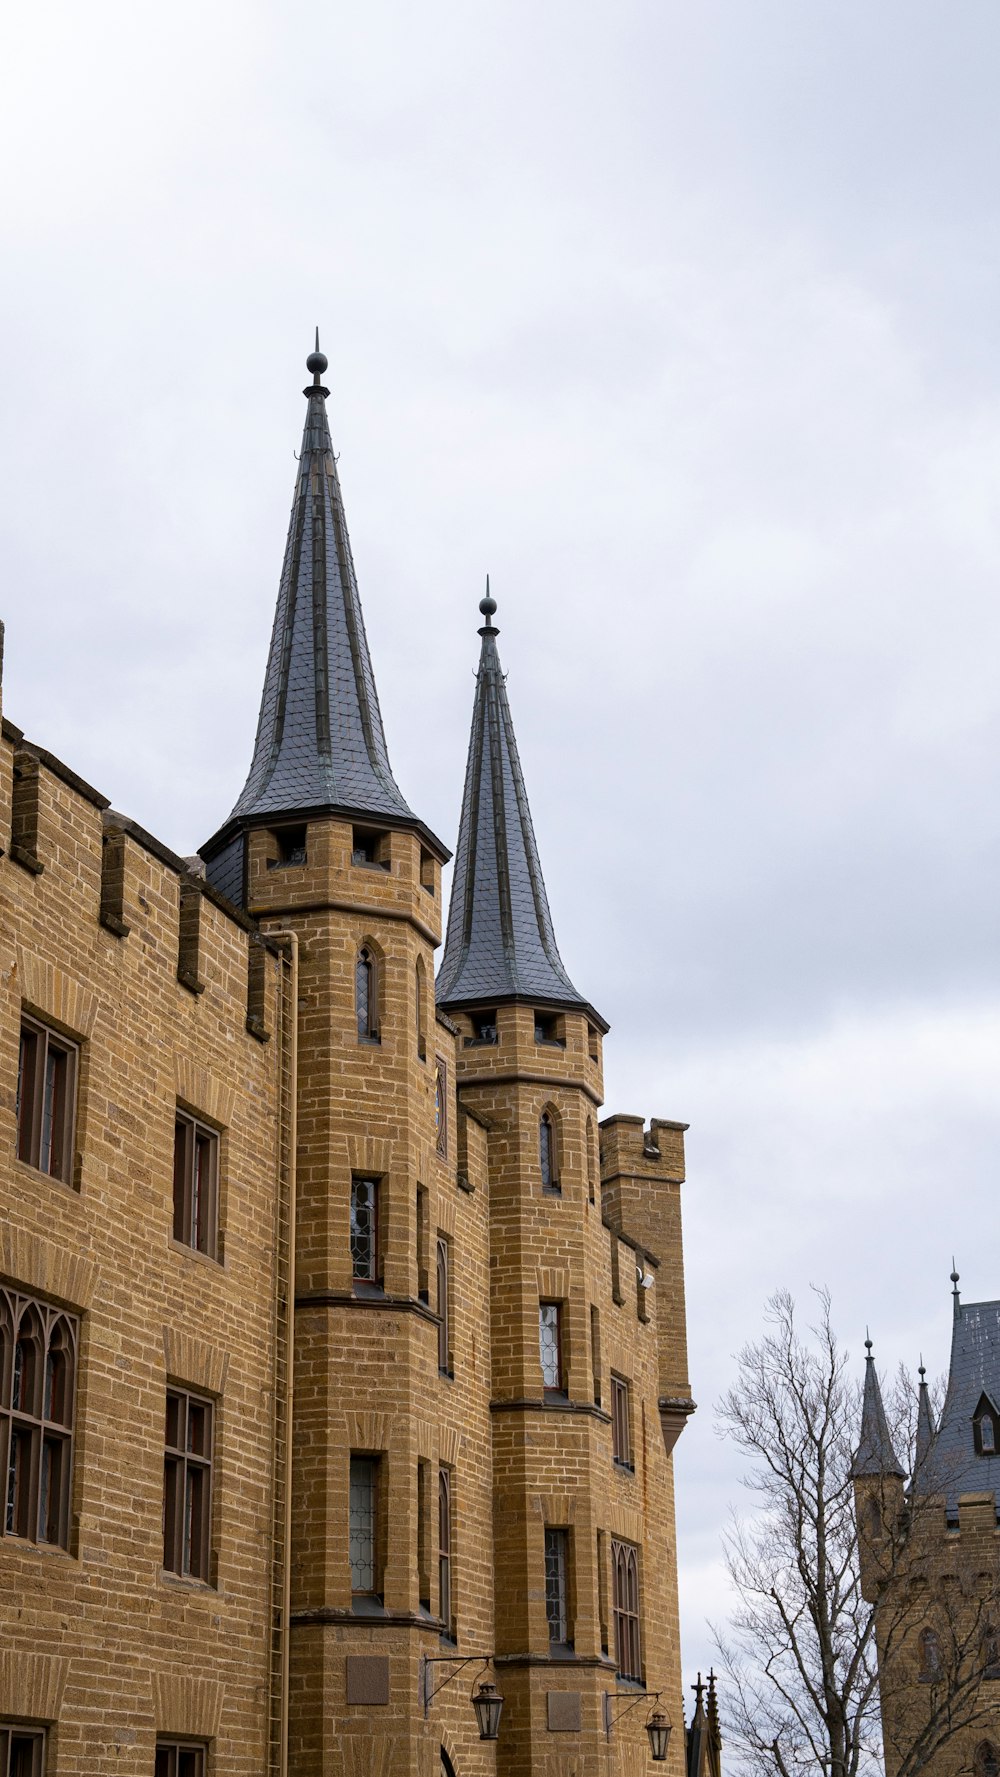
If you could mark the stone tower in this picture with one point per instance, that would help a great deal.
(588, 1359)
(930, 1563)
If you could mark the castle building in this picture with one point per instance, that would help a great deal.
(342, 1347)
(930, 1560)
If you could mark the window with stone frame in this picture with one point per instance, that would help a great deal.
(548, 1152)
(38, 1361)
(22, 1749)
(196, 1184)
(625, 1609)
(365, 1194)
(420, 1006)
(180, 1758)
(550, 1343)
(441, 1107)
(986, 1763)
(446, 1595)
(366, 994)
(365, 1528)
(931, 1664)
(46, 1099)
(621, 1422)
(984, 1427)
(557, 1575)
(444, 1306)
(187, 1484)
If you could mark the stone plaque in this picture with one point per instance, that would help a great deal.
(368, 1679)
(564, 1712)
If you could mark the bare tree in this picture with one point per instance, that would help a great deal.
(825, 1620)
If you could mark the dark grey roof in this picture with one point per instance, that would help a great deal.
(925, 1423)
(875, 1454)
(954, 1466)
(500, 942)
(320, 741)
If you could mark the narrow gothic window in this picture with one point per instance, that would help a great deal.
(625, 1606)
(196, 1185)
(557, 1584)
(420, 992)
(38, 1346)
(445, 1611)
(441, 1108)
(621, 1438)
(548, 1160)
(444, 1329)
(987, 1434)
(930, 1656)
(187, 1484)
(46, 1099)
(986, 1763)
(550, 1344)
(364, 1229)
(365, 1576)
(22, 1750)
(366, 990)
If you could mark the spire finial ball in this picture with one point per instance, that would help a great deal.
(317, 362)
(488, 606)
(868, 1347)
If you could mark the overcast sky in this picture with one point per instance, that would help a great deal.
(681, 320)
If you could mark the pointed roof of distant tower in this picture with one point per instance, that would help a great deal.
(500, 944)
(957, 1463)
(925, 1419)
(320, 742)
(875, 1454)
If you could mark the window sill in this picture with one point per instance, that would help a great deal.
(552, 1190)
(50, 1551)
(370, 864)
(624, 1468)
(187, 1582)
(366, 1288)
(51, 1178)
(369, 1042)
(562, 1650)
(446, 1375)
(193, 1252)
(367, 1604)
(637, 1685)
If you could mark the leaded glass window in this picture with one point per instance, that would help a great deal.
(364, 1229)
(366, 995)
(362, 1529)
(38, 1346)
(547, 1153)
(550, 1343)
(444, 1550)
(625, 1603)
(557, 1584)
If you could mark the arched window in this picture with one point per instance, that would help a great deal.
(986, 1763)
(37, 1363)
(366, 994)
(548, 1153)
(447, 1768)
(591, 1163)
(444, 1550)
(931, 1666)
(625, 1602)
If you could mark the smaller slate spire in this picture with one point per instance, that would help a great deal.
(925, 1418)
(500, 944)
(875, 1454)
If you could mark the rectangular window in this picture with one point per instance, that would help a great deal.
(366, 1579)
(557, 1585)
(22, 1750)
(550, 1345)
(445, 1597)
(602, 1587)
(441, 1107)
(625, 1604)
(423, 1534)
(364, 1229)
(46, 1100)
(443, 1307)
(180, 1758)
(187, 1485)
(196, 1185)
(621, 1430)
(595, 1352)
(38, 1356)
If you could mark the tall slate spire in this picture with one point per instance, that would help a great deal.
(875, 1454)
(500, 943)
(320, 741)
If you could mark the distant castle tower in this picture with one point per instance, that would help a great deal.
(930, 1561)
